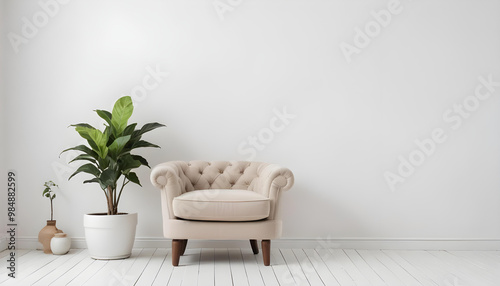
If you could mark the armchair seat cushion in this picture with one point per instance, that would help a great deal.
(221, 205)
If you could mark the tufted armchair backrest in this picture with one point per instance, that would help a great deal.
(177, 177)
(199, 175)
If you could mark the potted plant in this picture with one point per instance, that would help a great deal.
(109, 160)
(47, 233)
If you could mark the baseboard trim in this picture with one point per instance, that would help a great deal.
(343, 243)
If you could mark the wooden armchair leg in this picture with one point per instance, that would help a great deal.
(255, 247)
(184, 242)
(266, 251)
(176, 251)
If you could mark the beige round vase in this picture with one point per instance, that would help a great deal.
(46, 234)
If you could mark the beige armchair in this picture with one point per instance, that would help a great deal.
(221, 200)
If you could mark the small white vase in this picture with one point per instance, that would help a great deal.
(60, 244)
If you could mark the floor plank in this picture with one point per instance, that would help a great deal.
(395, 268)
(50, 267)
(251, 268)
(234, 266)
(386, 274)
(22, 258)
(238, 272)
(153, 267)
(307, 268)
(37, 261)
(369, 274)
(74, 271)
(280, 268)
(350, 268)
(335, 267)
(87, 273)
(484, 260)
(418, 274)
(206, 275)
(62, 269)
(319, 265)
(138, 267)
(165, 271)
(109, 272)
(19, 252)
(267, 272)
(119, 271)
(222, 270)
(190, 266)
(469, 272)
(420, 262)
(295, 268)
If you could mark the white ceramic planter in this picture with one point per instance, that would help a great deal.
(110, 236)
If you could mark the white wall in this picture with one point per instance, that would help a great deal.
(353, 120)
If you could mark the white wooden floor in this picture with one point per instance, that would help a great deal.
(234, 266)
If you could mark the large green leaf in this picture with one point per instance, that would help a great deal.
(85, 132)
(87, 168)
(97, 140)
(104, 163)
(142, 160)
(94, 180)
(148, 127)
(104, 114)
(137, 134)
(129, 129)
(142, 144)
(117, 146)
(84, 129)
(84, 157)
(109, 178)
(133, 178)
(83, 125)
(128, 163)
(121, 113)
(84, 149)
(130, 144)
(109, 132)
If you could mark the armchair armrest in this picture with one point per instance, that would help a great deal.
(167, 178)
(272, 180)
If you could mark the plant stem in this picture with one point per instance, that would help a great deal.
(109, 197)
(106, 195)
(51, 210)
(120, 193)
